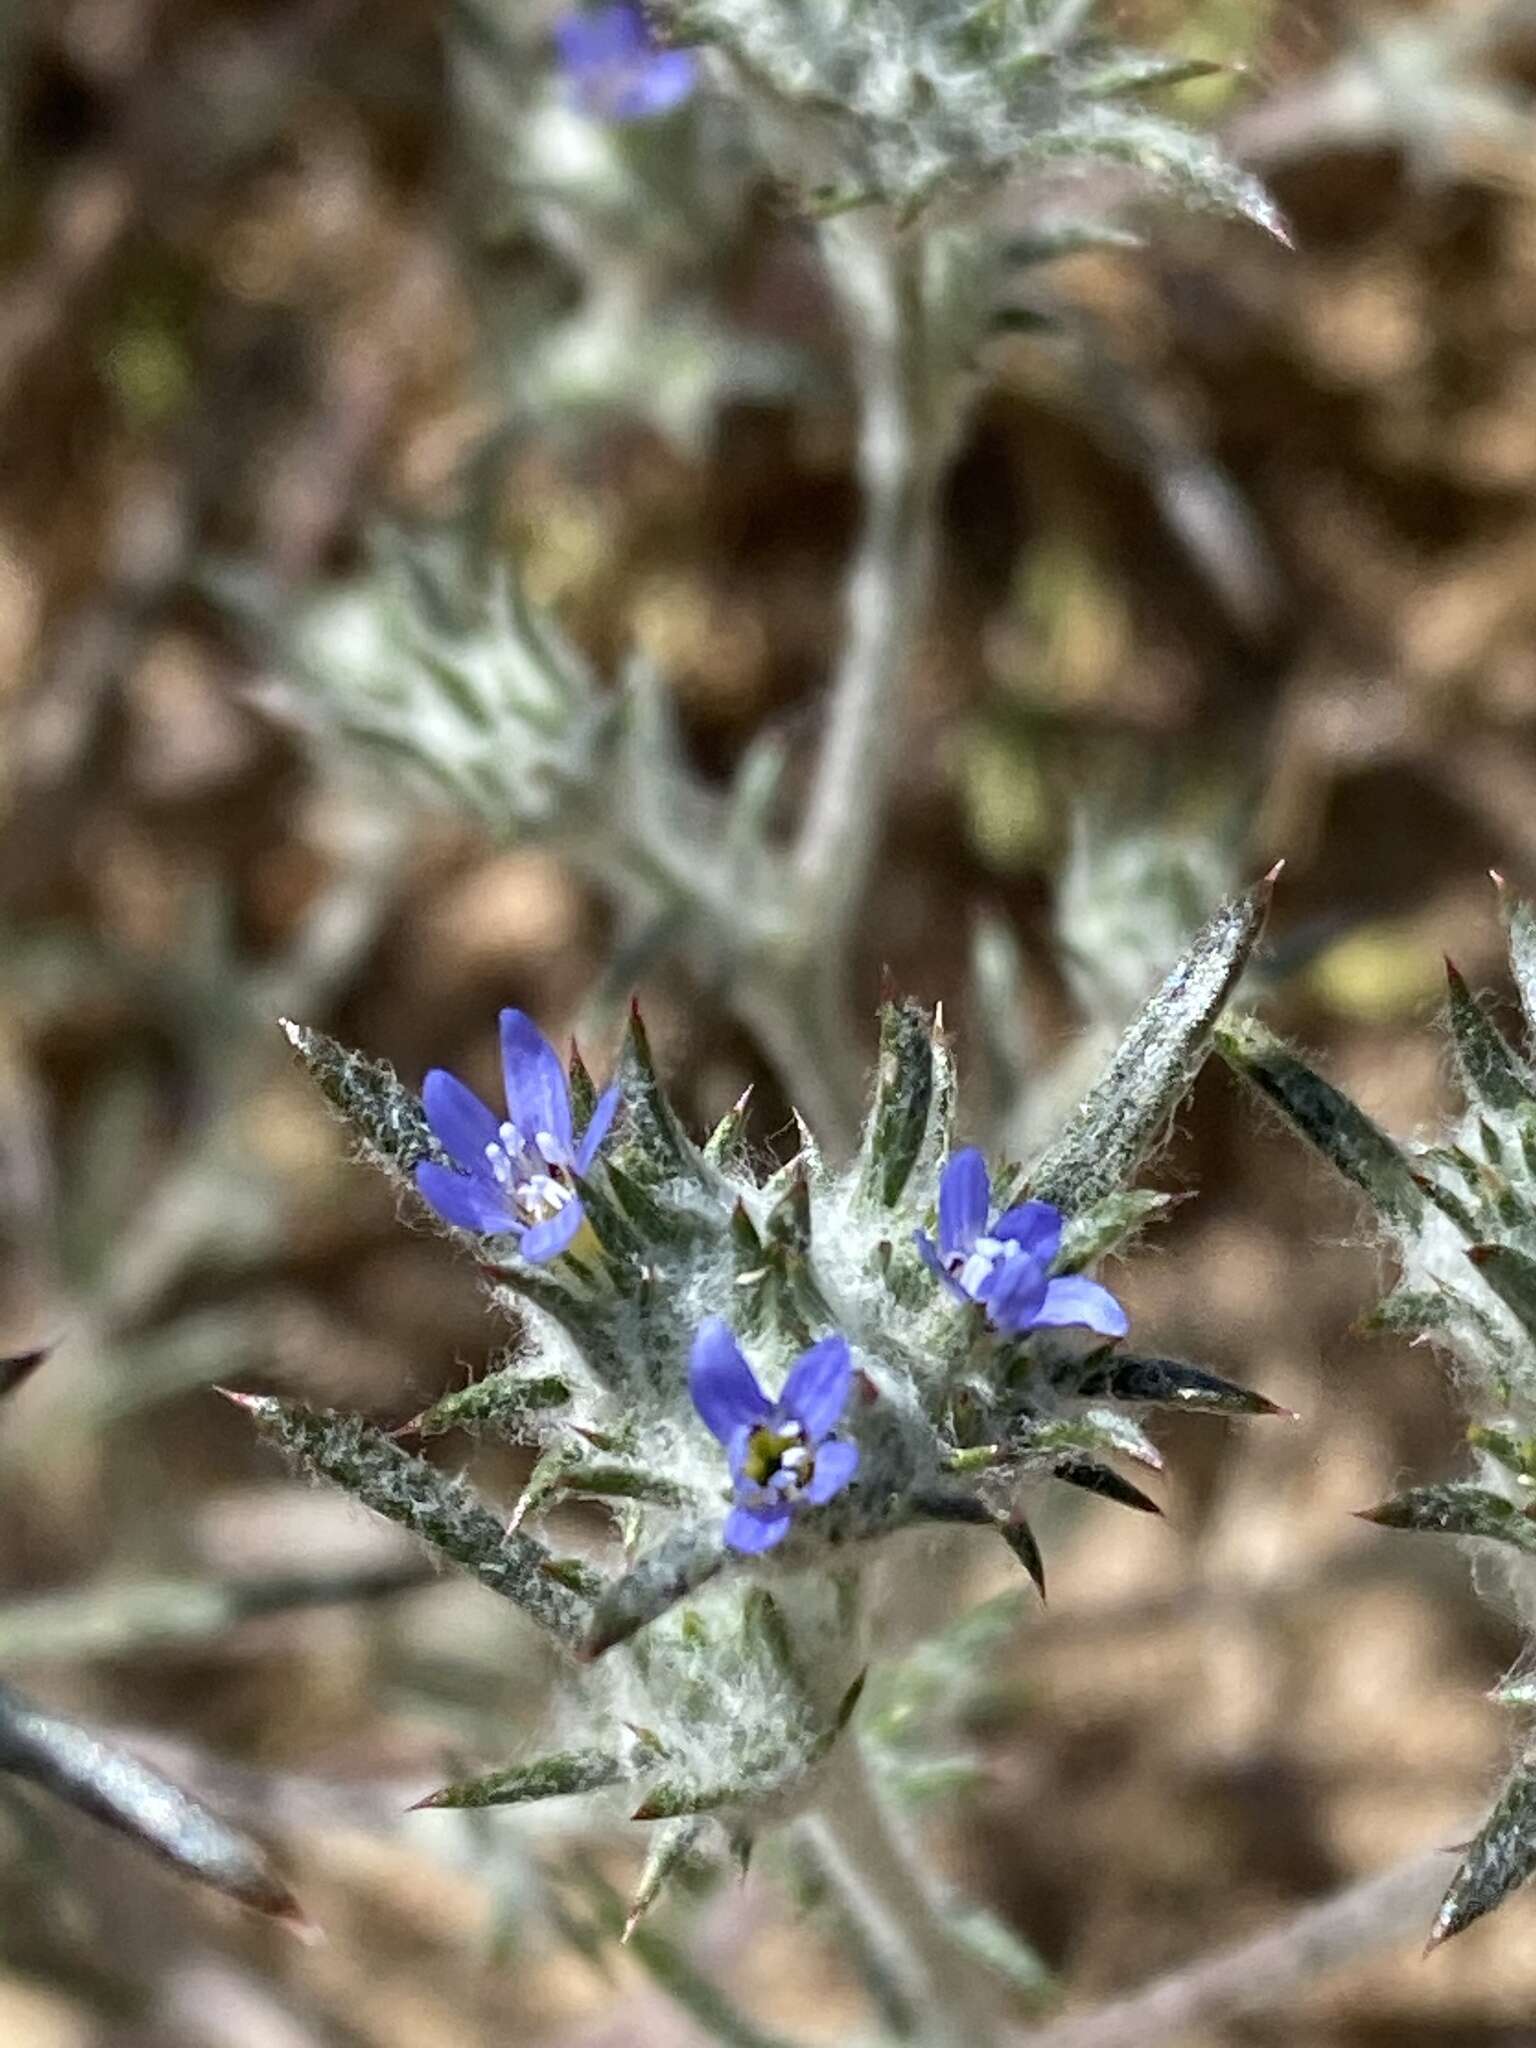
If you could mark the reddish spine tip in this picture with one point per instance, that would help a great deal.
(1496, 878)
(1268, 881)
(246, 1401)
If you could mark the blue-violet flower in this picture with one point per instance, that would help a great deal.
(1006, 1265)
(513, 1178)
(782, 1454)
(614, 69)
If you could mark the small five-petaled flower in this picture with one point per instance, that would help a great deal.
(513, 1177)
(1006, 1265)
(615, 70)
(782, 1454)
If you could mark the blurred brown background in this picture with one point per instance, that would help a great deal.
(1249, 542)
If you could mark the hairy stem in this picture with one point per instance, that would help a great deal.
(1261, 1975)
(884, 1890)
(881, 282)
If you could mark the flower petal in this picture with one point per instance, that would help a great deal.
(593, 37)
(1074, 1300)
(538, 1094)
(546, 1240)
(930, 1256)
(964, 1191)
(721, 1383)
(656, 85)
(836, 1463)
(597, 1129)
(1013, 1294)
(460, 1121)
(1035, 1227)
(466, 1203)
(753, 1531)
(816, 1392)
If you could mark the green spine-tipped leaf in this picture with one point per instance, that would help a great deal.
(369, 1465)
(1502, 1856)
(898, 1117)
(1520, 924)
(500, 1400)
(1089, 1236)
(611, 1480)
(113, 1786)
(549, 1777)
(1091, 1477)
(674, 1846)
(678, 1566)
(1128, 1109)
(369, 1096)
(1020, 1539)
(18, 1367)
(1166, 1383)
(1512, 1276)
(725, 1147)
(1347, 1138)
(1409, 1311)
(650, 1143)
(1457, 1508)
(1492, 1070)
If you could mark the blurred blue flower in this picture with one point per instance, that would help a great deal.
(513, 1178)
(782, 1454)
(1006, 1266)
(614, 68)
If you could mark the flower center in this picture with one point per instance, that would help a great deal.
(971, 1270)
(778, 1461)
(535, 1176)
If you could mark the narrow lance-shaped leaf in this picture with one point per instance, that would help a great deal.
(1347, 1138)
(1493, 1072)
(548, 1777)
(678, 1566)
(1166, 1383)
(898, 1116)
(674, 1845)
(1020, 1539)
(650, 1143)
(115, 1787)
(20, 1366)
(1091, 1477)
(1128, 1109)
(1456, 1508)
(1088, 1236)
(1520, 923)
(1512, 1276)
(500, 1398)
(1502, 1856)
(369, 1096)
(369, 1465)
(725, 1147)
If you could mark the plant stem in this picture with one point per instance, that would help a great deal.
(883, 1888)
(1260, 1976)
(880, 278)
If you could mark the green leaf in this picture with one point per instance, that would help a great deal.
(442, 1511)
(1512, 1276)
(1092, 1477)
(1493, 1072)
(1020, 1539)
(500, 1401)
(650, 1143)
(1127, 1111)
(550, 1777)
(1502, 1857)
(678, 1566)
(898, 1117)
(1347, 1138)
(114, 1787)
(725, 1147)
(674, 1846)
(1520, 923)
(1457, 1508)
(368, 1095)
(1166, 1383)
(1088, 1236)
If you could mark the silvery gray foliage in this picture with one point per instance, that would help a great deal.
(710, 1685)
(919, 105)
(1459, 1215)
